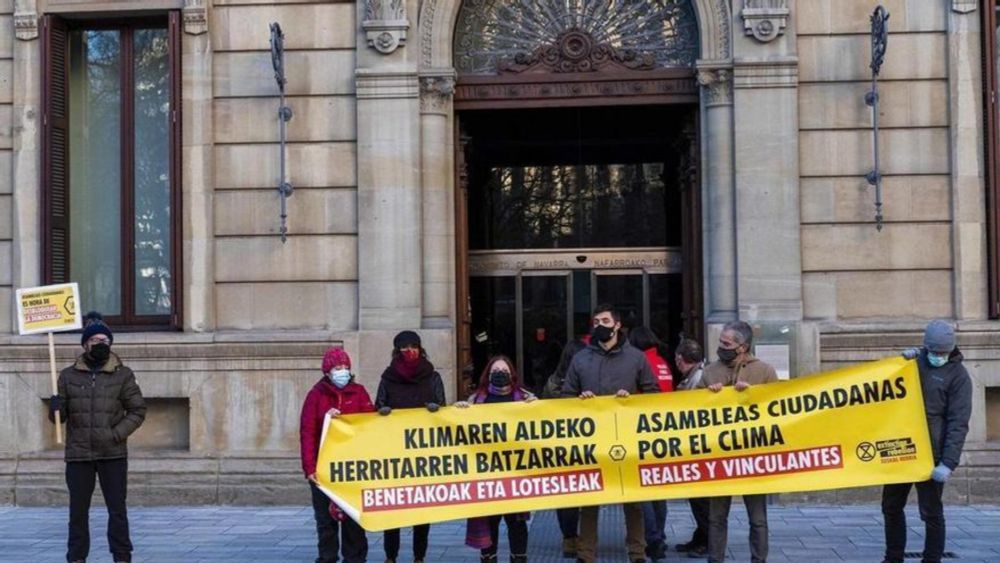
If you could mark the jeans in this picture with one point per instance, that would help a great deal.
(517, 534)
(654, 517)
(391, 539)
(931, 512)
(569, 521)
(718, 527)
(352, 543)
(80, 479)
(635, 543)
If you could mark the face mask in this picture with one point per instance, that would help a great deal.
(937, 360)
(410, 355)
(602, 333)
(499, 378)
(100, 352)
(727, 355)
(340, 377)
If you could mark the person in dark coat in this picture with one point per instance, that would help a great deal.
(609, 365)
(101, 404)
(335, 394)
(409, 382)
(947, 390)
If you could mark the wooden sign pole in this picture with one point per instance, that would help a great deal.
(55, 385)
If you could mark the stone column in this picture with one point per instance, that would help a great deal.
(198, 170)
(968, 168)
(437, 178)
(389, 200)
(765, 105)
(719, 213)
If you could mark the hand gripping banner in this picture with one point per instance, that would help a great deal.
(863, 425)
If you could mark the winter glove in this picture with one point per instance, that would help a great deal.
(941, 473)
(55, 405)
(336, 513)
(384, 411)
(433, 407)
(911, 353)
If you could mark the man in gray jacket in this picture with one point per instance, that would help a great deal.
(609, 366)
(947, 391)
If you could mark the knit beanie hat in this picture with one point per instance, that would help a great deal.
(939, 337)
(335, 357)
(406, 338)
(93, 323)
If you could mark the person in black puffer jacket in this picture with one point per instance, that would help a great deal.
(102, 405)
(409, 382)
(947, 391)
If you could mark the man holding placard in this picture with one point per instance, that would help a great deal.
(102, 405)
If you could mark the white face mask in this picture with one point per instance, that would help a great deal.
(340, 377)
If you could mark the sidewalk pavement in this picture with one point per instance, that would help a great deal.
(816, 534)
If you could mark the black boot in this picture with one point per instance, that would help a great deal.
(518, 559)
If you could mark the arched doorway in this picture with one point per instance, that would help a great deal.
(578, 158)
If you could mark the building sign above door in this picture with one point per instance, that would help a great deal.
(509, 263)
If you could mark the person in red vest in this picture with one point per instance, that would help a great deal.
(335, 393)
(654, 513)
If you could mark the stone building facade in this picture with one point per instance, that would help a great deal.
(394, 121)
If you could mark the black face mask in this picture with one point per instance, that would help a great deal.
(99, 353)
(499, 378)
(602, 333)
(726, 355)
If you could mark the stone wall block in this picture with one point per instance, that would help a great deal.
(897, 246)
(845, 58)
(822, 17)
(307, 258)
(306, 26)
(877, 295)
(849, 153)
(310, 211)
(313, 165)
(852, 199)
(314, 119)
(308, 73)
(836, 105)
(291, 305)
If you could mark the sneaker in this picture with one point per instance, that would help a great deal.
(656, 551)
(686, 547)
(698, 552)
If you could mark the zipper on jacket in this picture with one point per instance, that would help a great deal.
(93, 399)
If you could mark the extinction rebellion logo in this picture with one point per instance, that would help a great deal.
(888, 451)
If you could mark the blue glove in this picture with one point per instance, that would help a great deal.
(433, 407)
(911, 353)
(385, 410)
(941, 473)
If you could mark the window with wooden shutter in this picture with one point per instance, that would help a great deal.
(111, 165)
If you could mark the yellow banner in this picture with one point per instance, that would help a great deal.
(50, 308)
(862, 425)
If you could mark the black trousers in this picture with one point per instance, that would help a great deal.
(569, 521)
(931, 512)
(352, 542)
(80, 480)
(699, 509)
(517, 534)
(420, 533)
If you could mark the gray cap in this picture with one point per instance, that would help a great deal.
(939, 337)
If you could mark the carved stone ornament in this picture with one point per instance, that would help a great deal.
(765, 19)
(964, 6)
(717, 86)
(195, 15)
(25, 20)
(435, 93)
(385, 24)
(576, 50)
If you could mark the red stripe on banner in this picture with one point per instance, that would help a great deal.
(741, 467)
(484, 490)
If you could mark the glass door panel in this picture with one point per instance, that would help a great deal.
(494, 319)
(625, 292)
(666, 307)
(545, 318)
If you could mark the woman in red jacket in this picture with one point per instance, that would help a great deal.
(334, 394)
